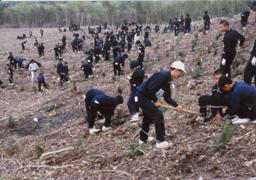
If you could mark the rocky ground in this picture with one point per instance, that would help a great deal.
(58, 145)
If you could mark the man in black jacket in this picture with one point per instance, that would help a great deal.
(136, 79)
(216, 99)
(244, 18)
(188, 22)
(250, 69)
(141, 52)
(98, 101)
(61, 72)
(148, 93)
(207, 21)
(230, 40)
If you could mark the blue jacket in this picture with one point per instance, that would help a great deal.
(105, 104)
(157, 82)
(119, 60)
(90, 94)
(242, 94)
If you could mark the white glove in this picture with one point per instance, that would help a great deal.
(253, 62)
(223, 62)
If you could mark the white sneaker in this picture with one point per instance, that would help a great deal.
(90, 76)
(141, 142)
(135, 117)
(238, 120)
(104, 128)
(162, 145)
(101, 121)
(93, 130)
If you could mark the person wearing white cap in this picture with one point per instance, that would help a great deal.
(148, 93)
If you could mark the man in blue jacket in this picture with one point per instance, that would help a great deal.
(148, 93)
(98, 101)
(118, 61)
(241, 98)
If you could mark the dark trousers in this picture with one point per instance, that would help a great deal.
(250, 73)
(245, 112)
(176, 31)
(117, 69)
(133, 106)
(140, 60)
(97, 58)
(40, 83)
(206, 26)
(210, 100)
(129, 46)
(62, 79)
(106, 55)
(151, 114)
(11, 78)
(227, 67)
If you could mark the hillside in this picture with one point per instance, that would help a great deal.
(115, 154)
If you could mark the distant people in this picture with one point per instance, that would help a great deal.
(41, 49)
(118, 62)
(23, 48)
(188, 22)
(147, 42)
(12, 61)
(176, 24)
(57, 52)
(207, 21)
(66, 71)
(10, 71)
(230, 40)
(141, 52)
(86, 67)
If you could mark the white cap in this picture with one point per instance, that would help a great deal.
(179, 65)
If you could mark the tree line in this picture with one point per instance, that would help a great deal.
(39, 14)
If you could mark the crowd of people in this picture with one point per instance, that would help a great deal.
(228, 97)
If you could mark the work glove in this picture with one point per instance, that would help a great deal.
(253, 62)
(223, 62)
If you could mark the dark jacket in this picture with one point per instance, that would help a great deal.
(137, 78)
(90, 94)
(157, 82)
(230, 41)
(60, 68)
(242, 94)
(105, 104)
(119, 60)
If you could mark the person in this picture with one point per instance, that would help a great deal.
(86, 67)
(33, 67)
(244, 18)
(41, 80)
(216, 99)
(157, 28)
(141, 52)
(98, 101)
(57, 51)
(148, 93)
(207, 21)
(129, 41)
(116, 49)
(12, 61)
(42, 32)
(188, 24)
(136, 79)
(241, 98)
(106, 48)
(19, 60)
(176, 27)
(230, 40)
(147, 42)
(41, 49)
(66, 71)
(61, 72)
(10, 71)
(23, 48)
(182, 21)
(118, 61)
(250, 69)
